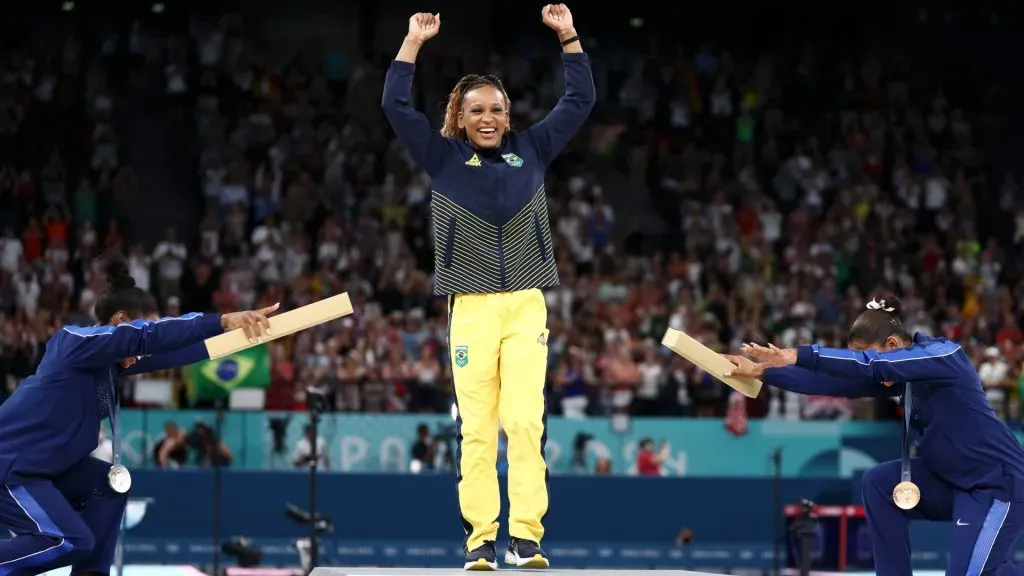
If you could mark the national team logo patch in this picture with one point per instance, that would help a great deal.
(512, 160)
(461, 356)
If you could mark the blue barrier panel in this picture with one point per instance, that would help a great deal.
(412, 520)
(698, 447)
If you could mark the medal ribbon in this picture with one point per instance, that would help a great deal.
(905, 454)
(113, 408)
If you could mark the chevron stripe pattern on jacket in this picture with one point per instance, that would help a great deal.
(474, 256)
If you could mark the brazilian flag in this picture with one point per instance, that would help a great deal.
(215, 379)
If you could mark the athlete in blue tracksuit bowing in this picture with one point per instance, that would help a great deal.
(55, 497)
(970, 467)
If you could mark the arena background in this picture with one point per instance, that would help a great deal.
(116, 122)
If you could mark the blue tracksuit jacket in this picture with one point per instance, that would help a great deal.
(961, 439)
(52, 420)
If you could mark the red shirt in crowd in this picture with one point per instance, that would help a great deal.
(647, 464)
(57, 228)
(1011, 333)
(32, 238)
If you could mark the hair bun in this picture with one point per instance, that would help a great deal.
(118, 277)
(887, 303)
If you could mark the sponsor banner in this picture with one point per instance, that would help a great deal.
(382, 442)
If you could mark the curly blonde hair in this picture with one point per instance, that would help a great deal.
(464, 86)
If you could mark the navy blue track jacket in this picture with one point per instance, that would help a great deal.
(53, 418)
(961, 439)
(489, 208)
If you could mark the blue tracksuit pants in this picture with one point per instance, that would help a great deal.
(73, 519)
(984, 529)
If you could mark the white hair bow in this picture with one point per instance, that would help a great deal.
(879, 305)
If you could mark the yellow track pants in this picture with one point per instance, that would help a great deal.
(499, 353)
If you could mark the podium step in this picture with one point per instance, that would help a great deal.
(364, 571)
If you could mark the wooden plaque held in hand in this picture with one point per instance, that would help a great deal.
(282, 325)
(709, 361)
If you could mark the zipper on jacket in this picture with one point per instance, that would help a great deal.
(501, 240)
(539, 231)
(449, 244)
(501, 258)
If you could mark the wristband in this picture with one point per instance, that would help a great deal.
(570, 40)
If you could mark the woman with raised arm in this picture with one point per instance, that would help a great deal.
(970, 467)
(493, 256)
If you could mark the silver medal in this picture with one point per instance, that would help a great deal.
(120, 479)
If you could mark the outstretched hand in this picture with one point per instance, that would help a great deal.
(558, 18)
(423, 26)
(744, 367)
(253, 323)
(770, 354)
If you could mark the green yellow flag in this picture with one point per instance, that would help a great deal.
(214, 379)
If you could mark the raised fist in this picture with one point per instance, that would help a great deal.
(423, 26)
(558, 18)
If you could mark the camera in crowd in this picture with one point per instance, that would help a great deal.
(444, 446)
(201, 437)
(316, 399)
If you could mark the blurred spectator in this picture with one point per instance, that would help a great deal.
(422, 452)
(171, 450)
(994, 373)
(11, 251)
(570, 383)
(207, 448)
(198, 447)
(170, 256)
(648, 396)
(580, 452)
(648, 462)
(304, 455)
(825, 408)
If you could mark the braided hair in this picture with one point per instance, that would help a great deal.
(122, 295)
(464, 86)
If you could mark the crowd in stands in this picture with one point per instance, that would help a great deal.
(59, 175)
(793, 190)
